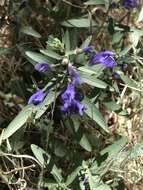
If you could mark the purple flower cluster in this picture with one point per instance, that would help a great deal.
(71, 102)
(37, 97)
(130, 3)
(105, 58)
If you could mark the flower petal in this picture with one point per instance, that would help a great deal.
(37, 97)
(43, 67)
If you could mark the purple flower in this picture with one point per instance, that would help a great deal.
(69, 94)
(37, 97)
(124, 67)
(73, 107)
(71, 102)
(129, 3)
(114, 5)
(115, 75)
(75, 75)
(43, 67)
(89, 49)
(105, 58)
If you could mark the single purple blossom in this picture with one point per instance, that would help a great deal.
(114, 5)
(115, 75)
(37, 97)
(75, 75)
(129, 3)
(89, 49)
(69, 94)
(80, 107)
(105, 58)
(73, 107)
(124, 67)
(43, 67)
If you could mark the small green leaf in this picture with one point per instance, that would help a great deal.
(93, 81)
(95, 70)
(113, 106)
(19, 121)
(51, 54)
(135, 36)
(129, 82)
(58, 147)
(79, 23)
(86, 42)
(30, 31)
(140, 17)
(117, 37)
(114, 148)
(103, 187)
(66, 41)
(84, 142)
(39, 154)
(48, 183)
(96, 2)
(56, 172)
(37, 57)
(137, 150)
(72, 176)
(123, 113)
(94, 114)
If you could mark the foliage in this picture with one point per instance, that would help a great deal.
(79, 123)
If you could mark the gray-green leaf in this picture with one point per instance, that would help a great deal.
(79, 23)
(93, 81)
(37, 57)
(30, 31)
(19, 121)
(51, 54)
(95, 114)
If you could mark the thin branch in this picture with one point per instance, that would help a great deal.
(73, 5)
(19, 169)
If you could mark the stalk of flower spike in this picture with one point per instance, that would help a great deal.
(129, 3)
(105, 58)
(37, 97)
(43, 67)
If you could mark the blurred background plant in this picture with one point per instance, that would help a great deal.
(71, 94)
